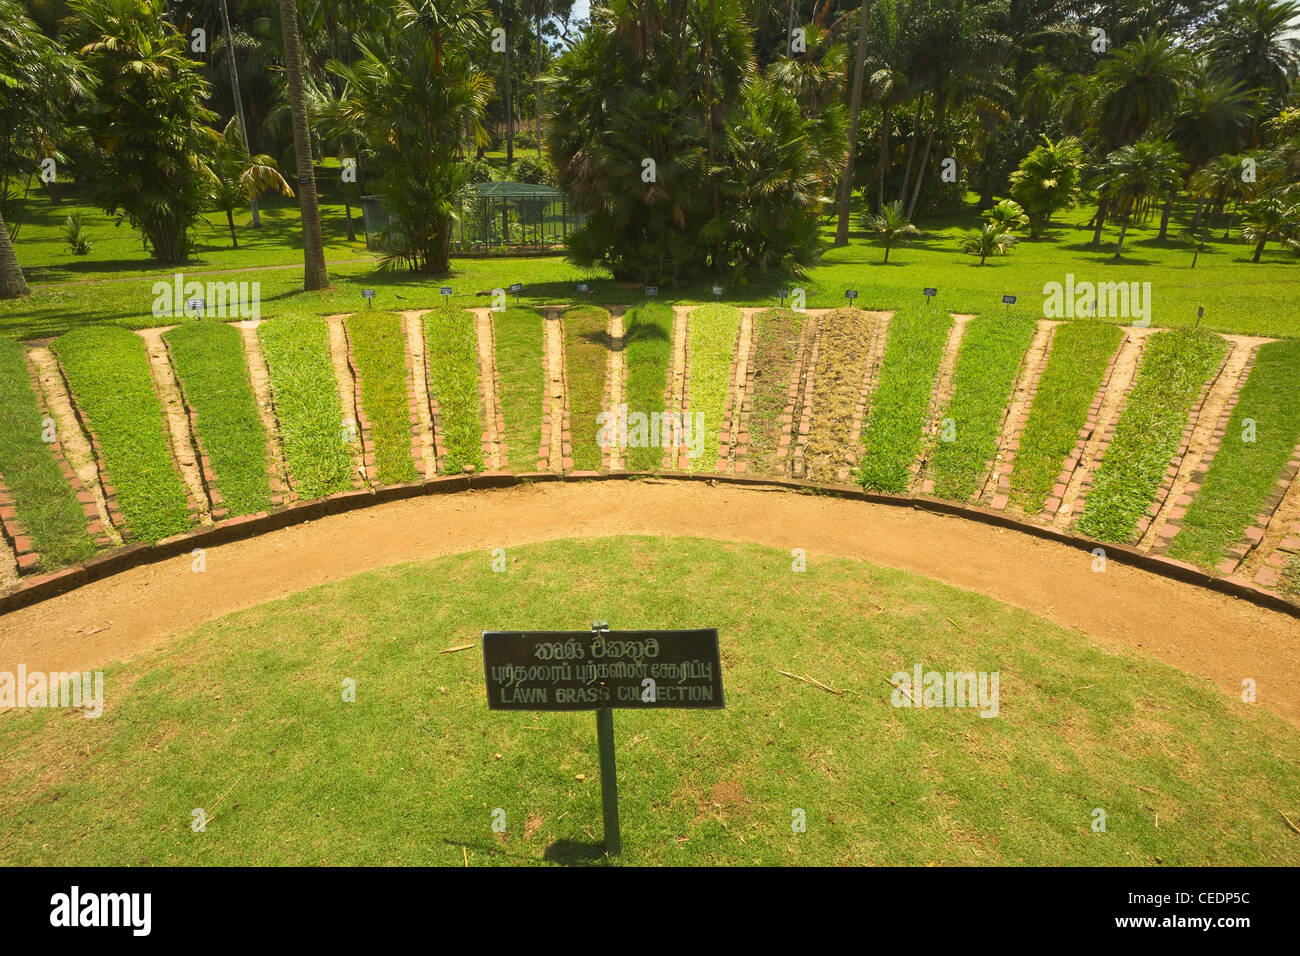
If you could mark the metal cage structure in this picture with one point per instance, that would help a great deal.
(504, 216)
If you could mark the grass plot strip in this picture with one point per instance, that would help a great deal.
(46, 505)
(1257, 444)
(378, 346)
(1174, 372)
(843, 362)
(108, 370)
(775, 364)
(521, 376)
(209, 362)
(647, 350)
(1081, 354)
(896, 423)
(307, 405)
(712, 331)
(453, 376)
(991, 354)
(586, 350)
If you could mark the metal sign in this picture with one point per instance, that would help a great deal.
(651, 290)
(445, 290)
(516, 287)
(927, 292)
(850, 293)
(582, 287)
(599, 670)
(196, 305)
(717, 290)
(589, 670)
(1008, 300)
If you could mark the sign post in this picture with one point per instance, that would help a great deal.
(600, 670)
(929, 292)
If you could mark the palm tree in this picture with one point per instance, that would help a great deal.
(238, 98)
(891, 225)
(240, 178)
(1214, 116)
(990, 240)
(1133, 175)
(1008, 216)
(1254, 42)
(1271, 217)
(855, 111)
(1048, 180)
(315, 275)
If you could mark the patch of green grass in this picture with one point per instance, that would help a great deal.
(522, 378)
(1081, 352)
(412, 771)
(378, 346)
(452, 354)
(992, 349)
(1244, 473)
(648, 352)
(895, 427)
(1290, 583)
(46, 506)
(842, 359)
(586, 350)
(213, 375)
(776, 347)
(712, 332)
(108, 369)
(1175, 367)
(307, 405)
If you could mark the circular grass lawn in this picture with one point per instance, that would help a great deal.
(246, 720)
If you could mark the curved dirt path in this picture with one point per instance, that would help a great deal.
(1211, 635)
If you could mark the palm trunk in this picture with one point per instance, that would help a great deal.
(12, 282)
(1259, 250)
(1103, 206)
(1227, 230)
(1200, 207)
(855, 109)
(1169, 211)
(510, 111)
(1123, 229)
(315, 275)
(911, 149)
(539, 84)
(939, 115)
(230, 220)
(235, 95)
(883, 162)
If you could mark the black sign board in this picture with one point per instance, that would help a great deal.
(850, 293)
(591, 670)
(927, 292)
(1008, 300)
(367, 293)
(445, 290)
(717, 290)
(651, 290)
(516, 287)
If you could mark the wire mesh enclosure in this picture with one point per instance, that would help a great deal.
(494, 217)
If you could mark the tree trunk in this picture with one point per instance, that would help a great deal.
(1123, 228)
(939, 116)
(12, 282)
(882, 164)
(230, 220)
(1196, 220)
(886, 252)
(235, 95)
(911, 149)
(855, 109)
(1169, 211)
(539, 84)
(315, 275)
(1099, 220)
(1227, 230)
(510, 109)
(347, 212)
(1259, 250)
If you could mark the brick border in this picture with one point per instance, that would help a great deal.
(1000, 495)
(42, 587)
(493, 419)
(788, 437)
(615, 359)
(807, 385)
(192, 504)
(1052, 505)
(870, 379)
(1174, 520)
(367, 478)
(207, 477)
(413, 398)
(733, 439)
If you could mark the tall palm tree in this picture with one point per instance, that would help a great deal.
(1270, 218)
(1254, 42)
(238, 97)
(855, 112)
(315, 275)
(1213, 117)
(1134, 175)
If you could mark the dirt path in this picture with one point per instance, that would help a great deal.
(413, 327)
(870, 379)
(1208, 634)
(553, 423)
(1117, 389)
(940, 396)
(178, 420)
(616, 375)
(259, 378)
(1281, 525)
(8, 566)
(349, 400)
(1031, 369)
(76, 444)
(737, 400)
(494, 445)
(1199, 453)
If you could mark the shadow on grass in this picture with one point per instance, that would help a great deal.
(576, 853)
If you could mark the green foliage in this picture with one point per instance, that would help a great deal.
(452, 357)
(891, 225)
(151, 142)
(893, 432)
(989, 240)
(1007, 216)
(992, 350)
(1048, 180)
(378, 345)
(307, 404)
(1245, 472)
(1175, 367)
(108, 369)
(239, 178)
(74, 236)
(210, 366)
(1081, 352)
(45, 504)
